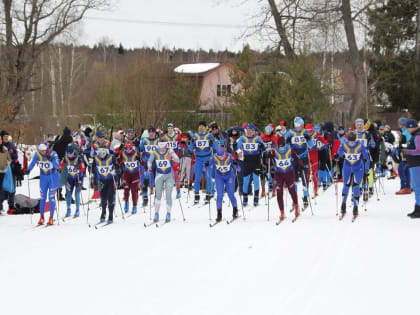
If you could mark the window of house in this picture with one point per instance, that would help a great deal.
(224, 90)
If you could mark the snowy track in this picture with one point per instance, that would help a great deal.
(318, 265)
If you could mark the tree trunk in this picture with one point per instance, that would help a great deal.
(418, 32)
(70, 79)
(284, 40)
(53, 83)
(358, 101)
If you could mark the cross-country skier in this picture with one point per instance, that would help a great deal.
(173, 141)
(250, 148)
(313, 156)
(324, 161)
(48, 180)
(73, 162)
(131, 137)
(147, 147)
(185, 161)
(131, 175)
(355, 167)
(203, 144)
(224, 166)
(269, 140)
(106, 165)
(163, 158)
(284, 158)
(300, 140)
(363, 136)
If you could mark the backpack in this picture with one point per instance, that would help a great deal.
(25, 205)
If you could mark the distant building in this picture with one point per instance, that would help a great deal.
(216, 86)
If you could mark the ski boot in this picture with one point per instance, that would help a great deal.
(126, 206)
(235, 212)
(110, 219)
(68, 213)
(151, 190)
(145, 201)
(168, 217)
(50, 220)
(343, 209)
(102, 219)
(196, 198)
(219, 215)
(41, 220)
(77, 213)
(282, 216)
(156, 217)
(263, 193)
(416, 213)
(297, 213)
(370, 192)
(178, 194)
(134, 211)
(256, 198)
(245, 200)
(324, 186)
(355, 212)
(305, 202)
(208, 197)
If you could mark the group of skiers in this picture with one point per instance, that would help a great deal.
(241, 158)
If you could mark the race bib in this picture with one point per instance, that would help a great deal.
(163, 164)
(202, 144)
(130, 165)
(250, 147)
(72, 169)
(319, 144)
(298, 140)
(268, 145)
(105, 170)
(172, 144)
(283, 163)
(352, 157)
(45, 166)
(223, 168)
(362, 141)
(149, 148)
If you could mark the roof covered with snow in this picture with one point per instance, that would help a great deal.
(195, 68)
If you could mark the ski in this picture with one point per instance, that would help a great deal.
(150, 223)
(295, 218)
(341, 217)
(96, 224)
(69, 218)
(102, 226)
(233, 220)
(354, 218)
(163, 224)
(214, 223)
(281, 220)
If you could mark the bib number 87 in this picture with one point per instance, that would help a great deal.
(202, 143)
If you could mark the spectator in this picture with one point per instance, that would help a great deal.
(5, 160)
(413, 161)
(60, 148)
(16, 167)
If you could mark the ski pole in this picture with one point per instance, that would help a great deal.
(336, 189)
(240, 197)
(268, 203)
(29, 192)
(118, 198)
(307, 189)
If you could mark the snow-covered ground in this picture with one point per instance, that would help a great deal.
(317, 265)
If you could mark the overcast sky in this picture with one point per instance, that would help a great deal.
(194, 13)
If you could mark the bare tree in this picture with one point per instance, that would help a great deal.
(30, 26)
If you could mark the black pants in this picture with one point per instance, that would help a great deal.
(107, 193)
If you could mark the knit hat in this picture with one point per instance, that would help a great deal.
(411, 123)
(66, 131)
(283, 123)
(88, 131)
(220, 151)
(268, 129)
(70, 149)
(202, 123)
(402, 121)
(309, 127)
(100, 134)
(252, 127)
(298, 122)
